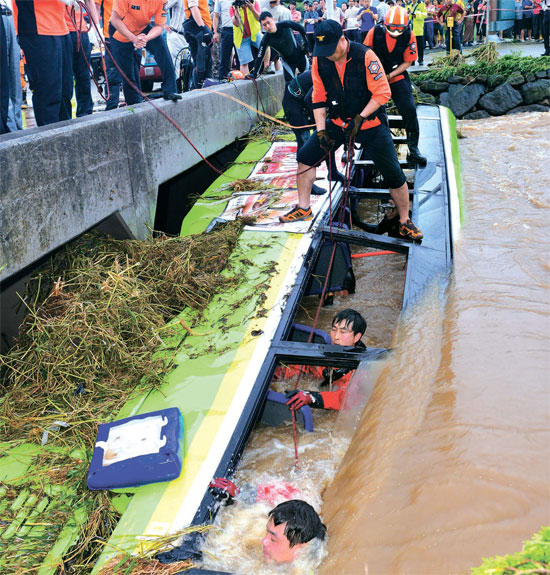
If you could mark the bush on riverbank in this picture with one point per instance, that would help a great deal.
(533, 559)
(490, 86)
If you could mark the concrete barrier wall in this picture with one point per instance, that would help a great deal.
(57, 182)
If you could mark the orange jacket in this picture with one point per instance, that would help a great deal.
(377, 84)
(137, 15)
(331, 399)
(409, 55)
(45, 18)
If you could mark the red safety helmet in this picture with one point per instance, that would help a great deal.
(396, 20)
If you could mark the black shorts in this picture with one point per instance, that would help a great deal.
(377, 143)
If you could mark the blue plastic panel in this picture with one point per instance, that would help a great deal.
(138, 450)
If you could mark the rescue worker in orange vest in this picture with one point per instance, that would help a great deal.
(395, 44)
(44, 38)
(198, 33)
(82, 52)
(130, 29)
(349, 81)
(348, 327)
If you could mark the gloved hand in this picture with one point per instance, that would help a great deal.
(298, 398)
(325, 141)
(352, 127)
(205, 36)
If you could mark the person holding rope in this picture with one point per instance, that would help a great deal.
(348, 327)
(349, 81)
(395, 44)
(44, 38)
(130, 29)
(113, 77)
(292, 49)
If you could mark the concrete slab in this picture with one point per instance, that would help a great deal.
(58, 181)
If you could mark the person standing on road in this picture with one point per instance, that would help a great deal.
(44, 38)
(246, 31)
(545, 6)
(82, 57)
(418, 14)
(10, 86)
(198, 33)
(130, 29)
(175, 39)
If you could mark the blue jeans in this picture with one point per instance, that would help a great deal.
(82, 80)
(50, 65)
(200, 52)
(13, 53)
(457, 35)
(226, 48)
(125, 57)
(429, 33)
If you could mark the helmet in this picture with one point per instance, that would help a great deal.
(237, 75)
(396, 20)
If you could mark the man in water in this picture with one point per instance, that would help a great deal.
(290, 527)
(348, 327)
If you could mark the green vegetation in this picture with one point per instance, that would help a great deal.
(534, 559)
(486, 64)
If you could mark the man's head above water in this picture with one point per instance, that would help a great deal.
(291, 525)
(348, 327)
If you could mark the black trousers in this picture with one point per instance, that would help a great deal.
(50, 63)
(226, 48)
(420, 45)
(402, 96)
(377, 143)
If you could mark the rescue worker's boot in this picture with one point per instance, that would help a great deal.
(414, 156)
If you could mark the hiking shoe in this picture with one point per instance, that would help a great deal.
(297, 214)
(410, 231)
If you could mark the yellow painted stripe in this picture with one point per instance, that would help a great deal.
(167, 509)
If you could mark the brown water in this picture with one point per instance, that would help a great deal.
(451, 461)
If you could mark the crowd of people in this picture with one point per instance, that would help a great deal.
(53, 40)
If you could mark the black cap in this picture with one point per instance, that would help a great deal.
(327, 34)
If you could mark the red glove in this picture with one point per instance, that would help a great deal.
(297, 399)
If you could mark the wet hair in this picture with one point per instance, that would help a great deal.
(302, 521)
(351, 317)
(265, 14)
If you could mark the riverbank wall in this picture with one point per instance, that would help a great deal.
(59, 181)
(488, 95)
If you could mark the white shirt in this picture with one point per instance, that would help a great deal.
(382, 8)
(221, 7)
(351, 18)
(279, 13)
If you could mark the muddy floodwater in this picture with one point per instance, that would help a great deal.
(450, 461)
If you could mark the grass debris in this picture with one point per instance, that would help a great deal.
(97, 316)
